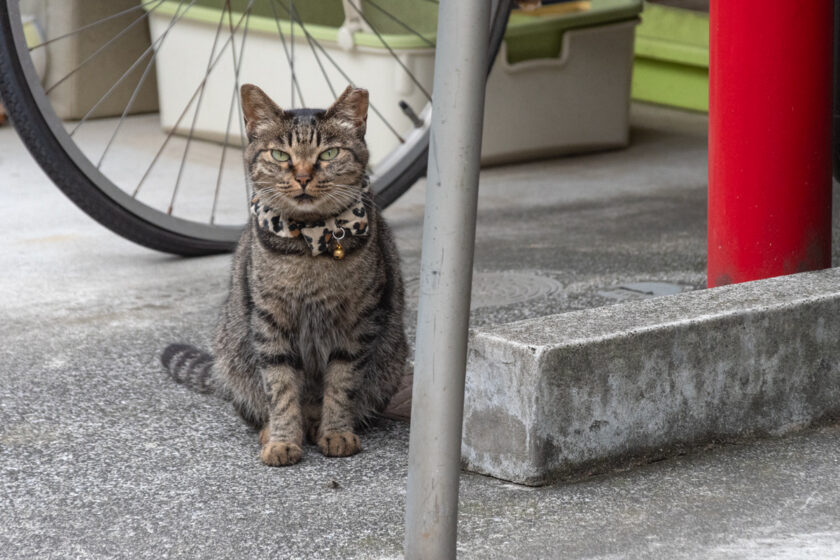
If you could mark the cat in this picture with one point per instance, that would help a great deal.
(311, 339)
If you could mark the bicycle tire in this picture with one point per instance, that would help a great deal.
(113, 208)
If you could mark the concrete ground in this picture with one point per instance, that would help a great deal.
(101, 456)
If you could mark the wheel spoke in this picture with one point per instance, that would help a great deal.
(286, 51)
(136, 91)
(198, 107)
(128, 107)
(222, 160)
(93, 24)
(343, 74)
(390, 50)
(101, 49)
(314, 53)
(237, 65)
(292, 35)
(150, 49)
(234, 101)
(201, 85)
(321, 67)
(243, 139)
(401, 23)
(108, 93)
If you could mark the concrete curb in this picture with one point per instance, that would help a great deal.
(590, 390)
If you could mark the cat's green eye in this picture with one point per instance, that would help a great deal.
(280, 155)
(327, 155)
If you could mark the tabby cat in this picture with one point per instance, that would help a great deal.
(311, 338)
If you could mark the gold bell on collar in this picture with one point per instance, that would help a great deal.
(338, 252)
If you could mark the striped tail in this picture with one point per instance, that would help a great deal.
(189, 366)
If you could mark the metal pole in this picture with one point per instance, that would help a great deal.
(445, 278)
(769, 139)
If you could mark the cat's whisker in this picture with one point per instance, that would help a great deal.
(272, 198)
(338, 187)
(340, 199)
(327, 197)
(277, 183)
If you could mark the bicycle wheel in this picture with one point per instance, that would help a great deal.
(135, 113)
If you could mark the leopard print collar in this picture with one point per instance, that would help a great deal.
(317, 235)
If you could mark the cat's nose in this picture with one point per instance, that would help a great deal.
(303, 179)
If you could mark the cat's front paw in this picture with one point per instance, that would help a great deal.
(339, 444)
(280, 453)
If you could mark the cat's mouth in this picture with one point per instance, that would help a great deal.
(303, 197)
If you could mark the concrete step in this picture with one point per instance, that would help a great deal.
(587, 391)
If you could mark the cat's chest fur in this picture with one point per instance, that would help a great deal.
(317, 300)
(296, 286)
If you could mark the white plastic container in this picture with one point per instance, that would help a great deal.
(180, 73)
(544, 103)
(573, 103)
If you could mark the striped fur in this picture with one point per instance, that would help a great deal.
(306, 345)
(189, 366)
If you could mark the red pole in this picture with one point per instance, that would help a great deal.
(770, 77)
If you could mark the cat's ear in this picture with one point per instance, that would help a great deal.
(260, 111)
(350, 109)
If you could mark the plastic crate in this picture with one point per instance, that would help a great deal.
(363, 58)
(560, 83)
(672, 58)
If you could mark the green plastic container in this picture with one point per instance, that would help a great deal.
(530, 37)
(671, 64)
(561, 83)
(323, 18)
